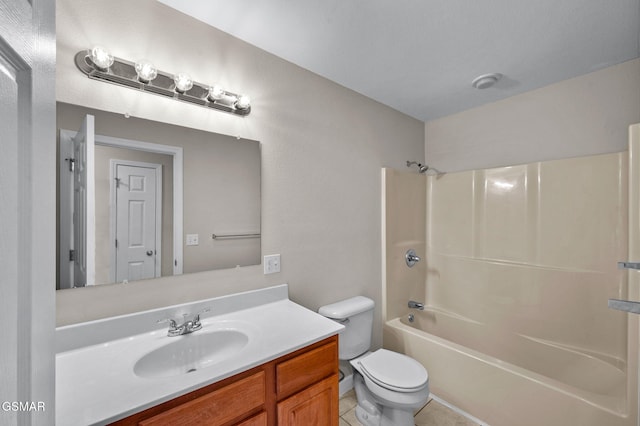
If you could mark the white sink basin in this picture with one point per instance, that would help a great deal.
(191, 352)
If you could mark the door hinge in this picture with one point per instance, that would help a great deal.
(116, 243)
(117, 183)
(72, 163)
(72, 255)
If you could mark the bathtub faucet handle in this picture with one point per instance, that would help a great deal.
(411, 258)
(416, 305)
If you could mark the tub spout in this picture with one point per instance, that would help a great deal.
(416, 305)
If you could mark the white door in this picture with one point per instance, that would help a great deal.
(84, 220)
(138, 220)
(65, 209)
(27, 208)
(77, 206)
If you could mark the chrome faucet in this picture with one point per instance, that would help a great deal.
(188, 326)
(416, 305)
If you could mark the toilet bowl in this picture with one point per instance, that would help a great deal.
(389, 386)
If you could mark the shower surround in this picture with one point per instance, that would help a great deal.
(518, 265)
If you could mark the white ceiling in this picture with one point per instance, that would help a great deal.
(420, 56)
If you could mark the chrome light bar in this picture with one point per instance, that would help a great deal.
(123, 73)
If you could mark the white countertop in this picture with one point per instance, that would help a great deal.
(95, 381)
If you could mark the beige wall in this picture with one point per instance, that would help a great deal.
(585, 115)
(322, 149)
(405, 227)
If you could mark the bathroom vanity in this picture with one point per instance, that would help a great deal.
(296, 389)
(259, 359)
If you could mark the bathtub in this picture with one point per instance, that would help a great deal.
(512, 379)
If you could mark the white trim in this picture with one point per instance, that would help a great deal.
(90, 234)
(178, 170)
(65, 211)
(67, 138)
(113, 164)
(28, 209)
(383, 240)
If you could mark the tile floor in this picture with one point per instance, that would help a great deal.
(432, 414)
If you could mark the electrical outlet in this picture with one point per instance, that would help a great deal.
(192, 239)
(272, 264)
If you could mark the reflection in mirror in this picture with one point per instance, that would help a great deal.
(139, 199)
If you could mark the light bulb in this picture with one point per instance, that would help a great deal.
(146, 71)
(183, 82)
(101, 58)
(216, 92)
(243, 102)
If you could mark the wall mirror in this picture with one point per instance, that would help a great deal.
(139, 199)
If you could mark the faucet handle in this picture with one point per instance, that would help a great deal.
(196, 317)
(411, 258)
(186, 326)
(171, 321)
(174, 329)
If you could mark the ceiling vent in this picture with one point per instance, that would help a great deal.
(485, 81)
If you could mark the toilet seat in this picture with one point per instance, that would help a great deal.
(394, 371)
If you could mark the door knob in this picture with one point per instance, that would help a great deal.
(149, 252)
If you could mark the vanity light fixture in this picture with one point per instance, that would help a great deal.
(146, 71)
(101, 58)
(99, 64)
(243, 102)
(183, 82)
(216, 92)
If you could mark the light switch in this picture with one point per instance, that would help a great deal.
(272, 264)
(192, 239)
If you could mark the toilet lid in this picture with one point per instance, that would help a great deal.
(394, 371)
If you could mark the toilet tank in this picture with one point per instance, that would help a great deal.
(356, 314)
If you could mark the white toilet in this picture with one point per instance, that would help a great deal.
(389, 386)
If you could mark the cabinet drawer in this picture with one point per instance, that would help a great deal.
(306, 369)
(217, 407)
(259, 420)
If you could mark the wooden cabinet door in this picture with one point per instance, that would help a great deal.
(314, 406)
